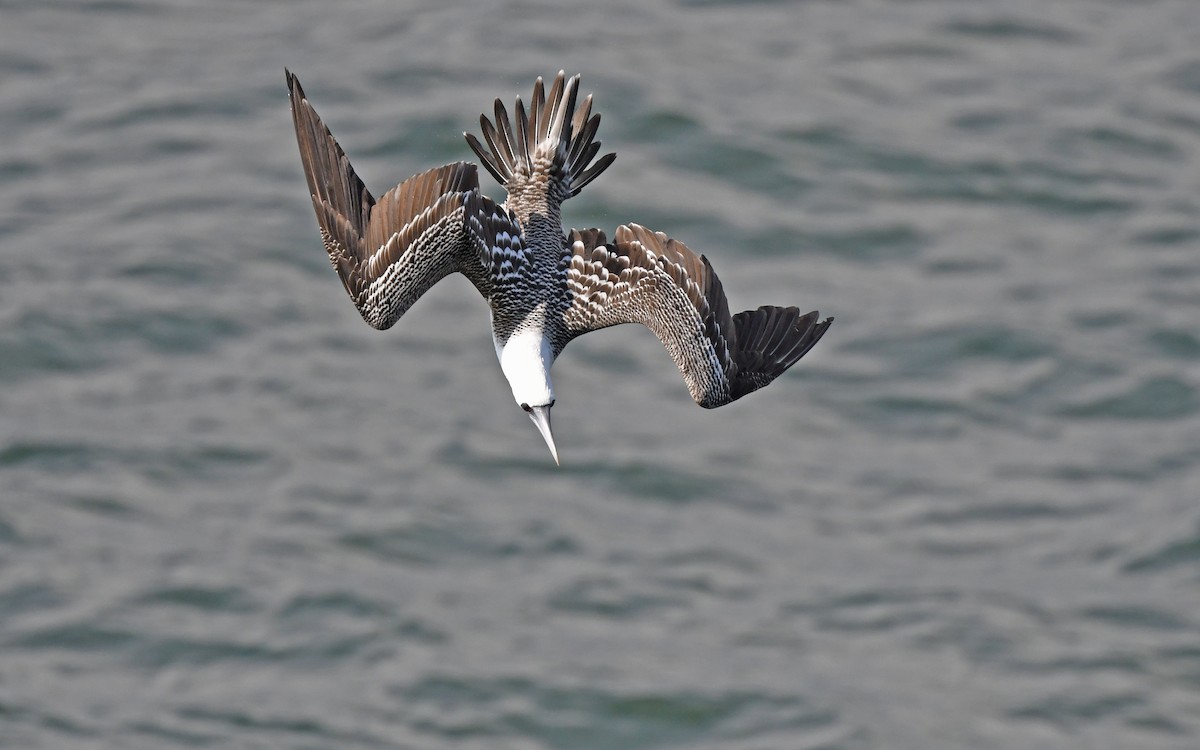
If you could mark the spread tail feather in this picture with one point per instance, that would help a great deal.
(553, 138)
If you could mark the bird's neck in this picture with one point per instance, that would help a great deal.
(526, 357)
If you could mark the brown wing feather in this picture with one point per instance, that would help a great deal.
(330, 177)
(646, 277)
(387, 253)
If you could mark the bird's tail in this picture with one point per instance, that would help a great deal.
(554, 139)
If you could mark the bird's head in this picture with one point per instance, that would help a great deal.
(526, 359)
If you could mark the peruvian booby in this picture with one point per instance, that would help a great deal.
(544, 286)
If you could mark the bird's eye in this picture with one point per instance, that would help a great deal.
(551, 402)
(526, 407)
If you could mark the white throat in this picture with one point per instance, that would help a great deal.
(526, 359)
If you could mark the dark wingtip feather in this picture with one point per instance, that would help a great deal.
(770, 340)
(295, 91)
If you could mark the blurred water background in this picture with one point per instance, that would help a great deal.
(231, 515)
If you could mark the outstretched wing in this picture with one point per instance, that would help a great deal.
(391, 251)
(646, 277)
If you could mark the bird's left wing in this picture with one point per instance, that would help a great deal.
(646, 277)
(390, 252)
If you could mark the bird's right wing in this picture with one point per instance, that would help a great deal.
(646, 277)
(390, 252)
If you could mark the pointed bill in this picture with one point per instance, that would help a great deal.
(541, 418)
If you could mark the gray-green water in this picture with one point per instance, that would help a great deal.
(234, 516)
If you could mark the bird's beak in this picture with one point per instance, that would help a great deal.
(541, 418)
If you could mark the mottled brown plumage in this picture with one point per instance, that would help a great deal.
(543, 288)
(390, 252)
(646, 277)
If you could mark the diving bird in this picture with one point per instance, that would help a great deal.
(544, 287)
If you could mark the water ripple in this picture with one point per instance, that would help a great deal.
(1181, 552)
(1155, 398)
(458, 709)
